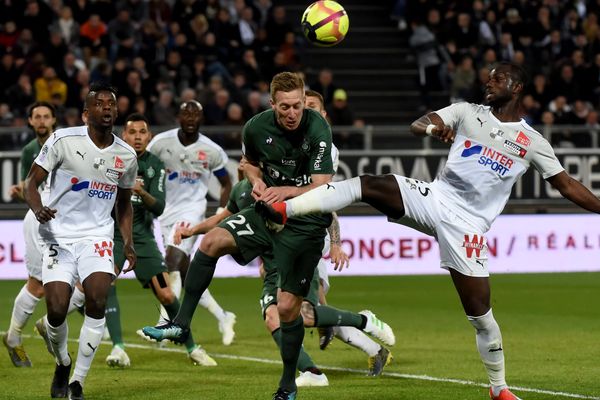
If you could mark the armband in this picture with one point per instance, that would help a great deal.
(429, 129)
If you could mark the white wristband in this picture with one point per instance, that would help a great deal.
(429, 129)
(219, 210)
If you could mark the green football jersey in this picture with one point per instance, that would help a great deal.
(151, 171)
(28, 154)
(240, 196)
(289, 158)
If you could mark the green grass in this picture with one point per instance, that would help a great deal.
(550, 324)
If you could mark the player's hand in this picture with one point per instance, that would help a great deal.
(258, 189)
(444, 133)
(15, 192)
(182, 232)
(338, 257)
(275, 193)
(139, 186)
(44, 214)
(130, 256)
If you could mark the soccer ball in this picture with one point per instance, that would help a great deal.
(325, 23)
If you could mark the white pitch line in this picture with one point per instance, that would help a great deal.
(352, 370)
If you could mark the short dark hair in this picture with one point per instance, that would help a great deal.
(517, 72)
(314, 93)
(41, 104)
(134, 117)
(100, 86)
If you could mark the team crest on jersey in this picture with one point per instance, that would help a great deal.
(99, 163)
(523, 139)
(119, 163)
(150, 172)
(496, 134)
(305, 146)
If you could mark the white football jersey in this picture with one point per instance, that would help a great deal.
(83, 181)
(486, 159)
(188, 171)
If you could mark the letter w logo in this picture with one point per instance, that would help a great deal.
(104, 247)
(476, 244)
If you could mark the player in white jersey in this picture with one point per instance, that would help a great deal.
(190, 159)
(90, 171)
(491, 148)
(379, 356)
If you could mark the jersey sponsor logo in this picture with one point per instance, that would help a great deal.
(113, 173)
(488, 157)
(285, 161)
(201, 155)
(319, 157)
(523, 139)
(514, 148)
(173, 175)
(97, 189)
(473, 245)
(119, 163)
(104, 247)
(190, 177)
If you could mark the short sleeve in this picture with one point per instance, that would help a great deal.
(452, 115)
(127, 181)
(220, 159)
(51, 154)
(26, 161)
(545, 161)
(248, 148)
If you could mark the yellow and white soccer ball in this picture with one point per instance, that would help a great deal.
(325, 23)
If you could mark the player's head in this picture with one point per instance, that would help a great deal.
(287, 99)
(136, 132)
(100, 108)
(42, 118)
(506, 82)
(190, 116)
(315, 101)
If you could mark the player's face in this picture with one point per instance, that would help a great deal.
(190, 118)
(101, 110)
(499, 87)
(288, 107)
(42, 121)
(315, 104)
(137, 135)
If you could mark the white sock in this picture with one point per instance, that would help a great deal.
(357, 338)
(175, 285)
(24, 305)
(77, 300)
(325, 198)
(89, 340)
(489, 344)
(209, 302)
(58, 341)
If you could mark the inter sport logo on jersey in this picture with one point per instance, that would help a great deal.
(97, 189)
(189, 177)
(488, 157)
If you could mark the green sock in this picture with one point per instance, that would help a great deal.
(113, 317)
(172, 309)
(292, 335)
(304, 360)
(329, 316)
(199, 275)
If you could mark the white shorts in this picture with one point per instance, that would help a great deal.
(462, 246)
(71, 262)
(168, 231)
(34, 246)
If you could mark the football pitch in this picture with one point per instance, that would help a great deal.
(550, 325)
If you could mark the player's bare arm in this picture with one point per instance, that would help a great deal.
(124, 213)
(433, 125)
(281, 193)
(16, 191)
(35, 177)
(572, 189)
(337, 256)
(254, 175)
(225, 181)
(201, 228)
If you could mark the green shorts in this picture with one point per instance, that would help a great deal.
(269, 290)
(296, 254)
(150, 261)
(251, 235)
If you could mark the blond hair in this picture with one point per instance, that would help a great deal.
(286, 82)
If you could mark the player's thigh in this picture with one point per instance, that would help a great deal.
(168, 232)
(296, 257)
(421, 205)
(462, 247)
(59, 264)
(251, 236)
(94, 255)
(34, 246)
(149, 265)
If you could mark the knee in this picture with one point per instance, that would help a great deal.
(288, 307)
(95, 306)
(57, 310)
(215, 242)
(272, 318)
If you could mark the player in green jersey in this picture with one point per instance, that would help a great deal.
(148, 201)
(291, 148)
